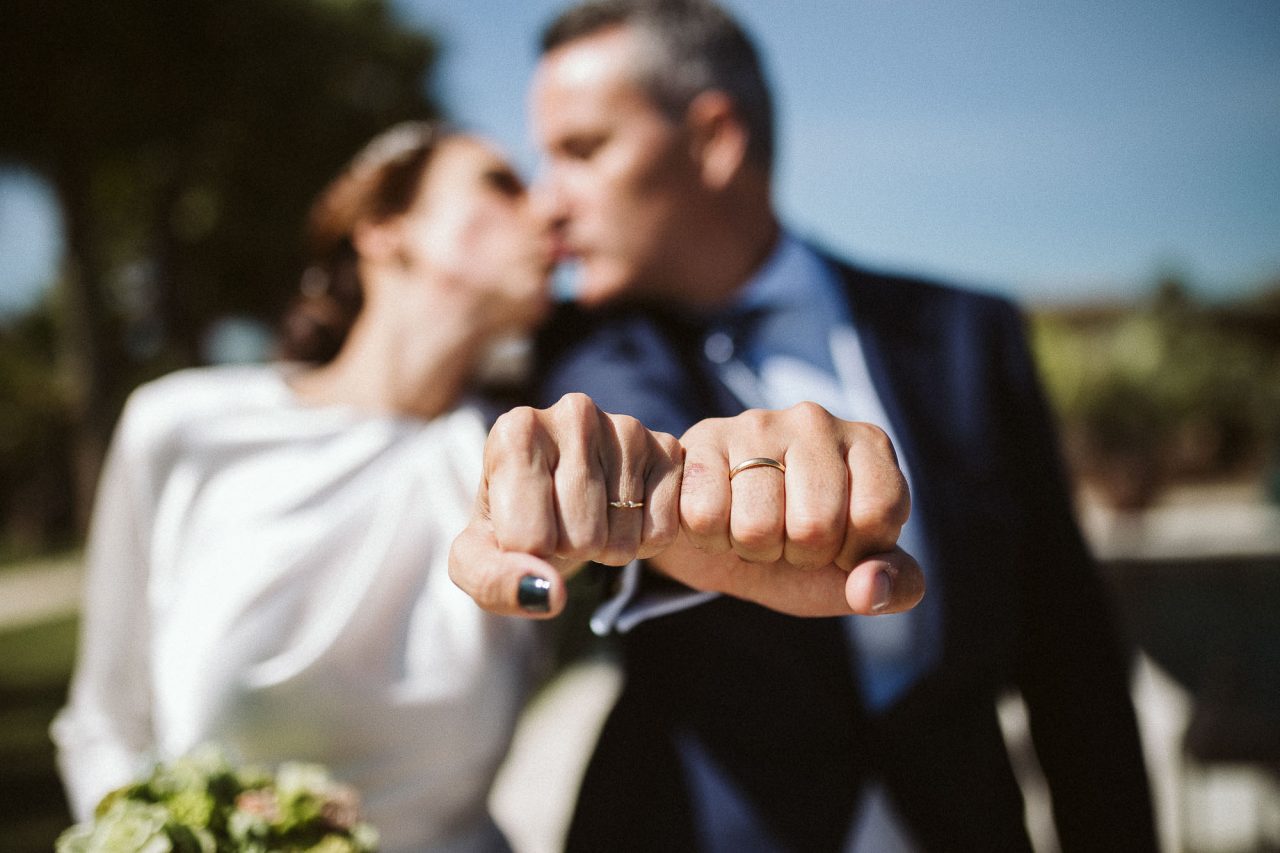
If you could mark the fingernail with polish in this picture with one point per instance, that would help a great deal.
(534, 594)
(883, 592)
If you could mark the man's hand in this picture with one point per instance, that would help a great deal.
(814, 537)
(544, 504)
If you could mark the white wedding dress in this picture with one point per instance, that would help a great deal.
(271, 576)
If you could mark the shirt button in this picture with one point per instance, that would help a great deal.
(718, 347)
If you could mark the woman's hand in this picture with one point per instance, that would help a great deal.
(563, 486)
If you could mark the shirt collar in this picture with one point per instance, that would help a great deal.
(795, 277)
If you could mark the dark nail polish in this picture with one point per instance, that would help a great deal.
(534, 594)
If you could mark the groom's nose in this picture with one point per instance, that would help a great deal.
(548, 200)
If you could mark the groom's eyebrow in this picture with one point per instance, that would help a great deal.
(582, 144)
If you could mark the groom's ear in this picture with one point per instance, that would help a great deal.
(718, 138)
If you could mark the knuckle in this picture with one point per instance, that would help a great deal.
(703, 430)
(874, 524)
(628, 428)
(620, 550)
(878, 440)
(810, 415)
(576, 476)
(514, 427)
(693, 478)
(866, 514)
(633, 445)
(668, 444)
(757, 534)
(613, 557)
(700, 520)
(812, 531)
(577, 407)
(527, 539)
(899, 509)
(755, 420)
(585, 543)
(694, 434)
(661, 535)
(666, 462)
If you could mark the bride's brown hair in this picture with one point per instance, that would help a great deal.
(380, 182)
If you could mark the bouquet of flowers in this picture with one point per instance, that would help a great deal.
(202, 804)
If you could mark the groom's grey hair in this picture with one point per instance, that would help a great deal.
(686, 47)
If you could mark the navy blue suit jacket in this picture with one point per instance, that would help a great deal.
(771, 698)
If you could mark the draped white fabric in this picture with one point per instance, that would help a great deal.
(272, 576)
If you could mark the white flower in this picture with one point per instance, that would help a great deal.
(202, 802)
(127, 827)
(295, 778)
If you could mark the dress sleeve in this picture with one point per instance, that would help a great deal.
(104, 735)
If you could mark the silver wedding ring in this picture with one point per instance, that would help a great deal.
(626, 504)
(756, 462)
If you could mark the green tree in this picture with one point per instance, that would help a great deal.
(184, 142)
(1168, 390)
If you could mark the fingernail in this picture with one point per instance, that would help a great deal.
(883, 591)
(534, 594)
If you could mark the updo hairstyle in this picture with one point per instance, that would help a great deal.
(380, 182)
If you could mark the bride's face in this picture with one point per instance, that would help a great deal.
(471, 226)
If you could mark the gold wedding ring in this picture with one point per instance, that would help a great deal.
(626, 504)
(756, 462)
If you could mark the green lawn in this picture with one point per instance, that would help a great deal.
(35, 663)
(12, 560)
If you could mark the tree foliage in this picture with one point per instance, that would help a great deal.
(1170, 390)
(184, 142)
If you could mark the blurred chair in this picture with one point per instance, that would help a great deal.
(1231, 777)
(1209, 622)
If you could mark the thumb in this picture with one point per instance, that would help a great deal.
(508, 583)
(885, 583)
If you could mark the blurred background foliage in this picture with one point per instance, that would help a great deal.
(183, 142)
(1167, 391)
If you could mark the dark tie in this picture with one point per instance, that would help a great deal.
(783, 331)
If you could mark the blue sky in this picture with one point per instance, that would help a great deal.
(1050, 151)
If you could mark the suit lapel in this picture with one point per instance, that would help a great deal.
(924, 351)
(899, 359)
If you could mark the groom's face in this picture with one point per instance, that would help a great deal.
(619, 177)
